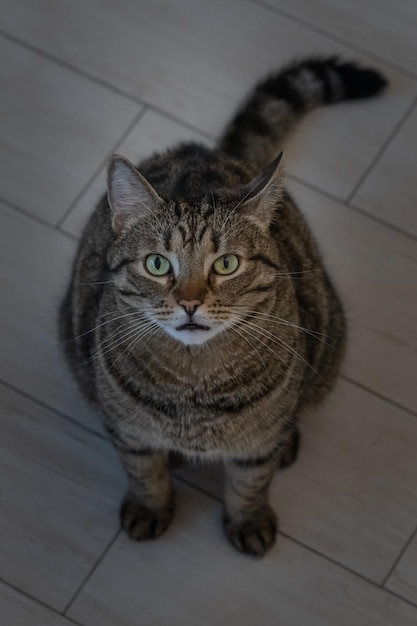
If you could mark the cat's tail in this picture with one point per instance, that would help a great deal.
(279, 101)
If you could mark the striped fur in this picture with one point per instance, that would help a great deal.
(197, 363)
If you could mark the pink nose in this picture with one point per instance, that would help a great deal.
(190, 306)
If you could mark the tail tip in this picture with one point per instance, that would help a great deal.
(361, 82)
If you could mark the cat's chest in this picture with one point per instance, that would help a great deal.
(205, 414)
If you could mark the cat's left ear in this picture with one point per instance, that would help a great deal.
(129, 193)
(260, 197)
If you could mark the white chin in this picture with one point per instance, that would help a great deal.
(192, 337)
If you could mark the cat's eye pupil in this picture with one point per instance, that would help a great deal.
(157, 265)
(226, 264)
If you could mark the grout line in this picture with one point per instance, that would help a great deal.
(53, 409)
(103, 83)
(396, 595)
(198, 488)
(346, 568)
(98, 169)
(37, 601)
(91, 572)
(309, 548)
(383, 222)
(328, 558)
(351, 207)
(261, 3)
(35, 218)
(26, 213)
(393, 403)
(398, 559)
(314, 187)
(208, 494)
(68, 66)
(170, 116)
(380, 152)
(330, 35)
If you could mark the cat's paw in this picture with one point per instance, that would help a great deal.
(254, 535)
(142, 523)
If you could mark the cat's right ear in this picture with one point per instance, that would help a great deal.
(129, 193)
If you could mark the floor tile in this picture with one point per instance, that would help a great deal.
(18, 610)
(153, 133)
(34, 267)
(349, 503)
(60, 490)
(198, 66)
(192, 576)
(385, 28)
(403, 580)
(374, 269)
(390, 191)
(341, 497)
(331, 147)
(59, 127)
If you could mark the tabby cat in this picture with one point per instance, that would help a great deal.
(199, 316)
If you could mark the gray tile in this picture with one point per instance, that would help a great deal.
(17, 610)
(153, 133)
(57, 127)
(403, 580)
(386, 28)
(375, 271)
(390, 190)
(34, 268)
(342, 497)
(60, 491)
(197, 60)
(191, 576)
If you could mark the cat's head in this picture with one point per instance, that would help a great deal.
(193, 269)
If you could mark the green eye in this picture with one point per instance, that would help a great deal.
(157, 265)
(227, 264)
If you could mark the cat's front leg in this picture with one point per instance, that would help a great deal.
(249, 522)
(148, 507)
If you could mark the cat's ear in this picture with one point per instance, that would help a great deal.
(129, 193)
(260, 197)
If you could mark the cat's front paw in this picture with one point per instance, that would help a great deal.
(142, 523)
(254, 535)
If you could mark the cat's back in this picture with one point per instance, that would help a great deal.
(190, 171)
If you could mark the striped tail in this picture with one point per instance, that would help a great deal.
(279, 101)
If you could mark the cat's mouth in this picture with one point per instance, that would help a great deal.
(192, 326)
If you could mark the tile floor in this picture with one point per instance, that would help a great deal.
(81, 79)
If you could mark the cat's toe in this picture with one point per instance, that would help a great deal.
(142, 523)
(255, 535)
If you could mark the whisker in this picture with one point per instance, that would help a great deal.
(282, 321)
(100, 353)
(232, 326)
(104, 282)
(268, 335)
(232, 213)
(102, 324)
(129, 332)
(244, 329)
(142, 332)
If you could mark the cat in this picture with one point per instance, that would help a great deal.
(199, 316)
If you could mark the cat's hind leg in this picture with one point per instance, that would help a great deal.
(289, 451)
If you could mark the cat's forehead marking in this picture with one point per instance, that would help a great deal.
(192, 230)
